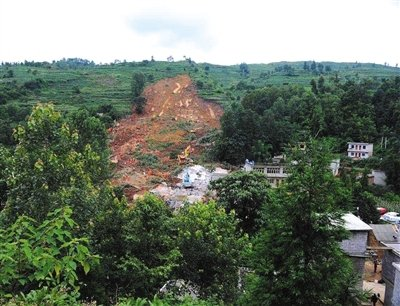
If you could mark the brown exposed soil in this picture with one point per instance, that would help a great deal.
(145, 147)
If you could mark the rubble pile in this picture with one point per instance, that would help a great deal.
(176, 196)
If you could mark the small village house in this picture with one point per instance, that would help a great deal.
(356, 245)
(359, 150)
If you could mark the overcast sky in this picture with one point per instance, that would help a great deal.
(213, 31)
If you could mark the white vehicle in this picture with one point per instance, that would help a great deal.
(392, 217)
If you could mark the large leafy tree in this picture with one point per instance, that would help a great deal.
(91, 132)
(107, 240)
(4, 157)
(211, 249)
(137, 86)
(240, 129)
(150, 252)
(244, 193)
(137, 248)
(50, 168)
(42, 255)
(297, 258)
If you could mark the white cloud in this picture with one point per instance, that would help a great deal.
(219, 32)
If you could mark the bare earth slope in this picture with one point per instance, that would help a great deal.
(145, 147)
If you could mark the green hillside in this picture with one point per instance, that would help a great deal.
(71, 84)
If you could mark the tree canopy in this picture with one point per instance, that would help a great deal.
(297, 257)
(244, 193)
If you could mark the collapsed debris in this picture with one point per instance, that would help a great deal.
(199, 177)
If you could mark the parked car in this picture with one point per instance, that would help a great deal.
(392, 217)
(382, 210)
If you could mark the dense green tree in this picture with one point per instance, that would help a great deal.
(42, 255)
(211, 249)
(92, 132)
(386, 101)
(150, 252)
(320, 67)
(358, 112)
(332, 113)
(4, 157)
(321, 84)
(244, 193)
(297, 257)
(391, 165)
(313, 66)
(137, 84)
(366, 205)
(261, 151)
(107, 240)
(139, 103)
(240, 129)
(137, 247)
(244, 69)
(49, 169)
(314, 87)
(260, 100)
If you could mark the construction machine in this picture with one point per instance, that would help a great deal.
(184, 156)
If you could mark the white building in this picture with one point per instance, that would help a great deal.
(277, 171)
(359, 150)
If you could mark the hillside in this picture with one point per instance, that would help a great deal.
(145, 147)
(175, 116)
(73, 83)
(55, 190)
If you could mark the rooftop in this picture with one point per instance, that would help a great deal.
(360, 143)
(394, 246)
(353, 223)
(386, 232)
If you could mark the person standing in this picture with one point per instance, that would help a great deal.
(375, 264)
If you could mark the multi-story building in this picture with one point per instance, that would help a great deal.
(277, 171)
(359, 150)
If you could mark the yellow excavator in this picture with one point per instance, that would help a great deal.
(182, 158)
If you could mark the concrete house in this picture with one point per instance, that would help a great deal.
(378, 177)
(388, 238)
(356, 245)
(391, 273)
(380, 235)
(276, 172)
(385, 241)
(359, 150)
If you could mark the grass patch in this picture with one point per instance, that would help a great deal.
(159, 146)
(147, 159)
(184, 125)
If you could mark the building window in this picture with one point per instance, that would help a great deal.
(363, 154)
(273, 170)
(351, 146)
(352, 153)
(364, 147)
